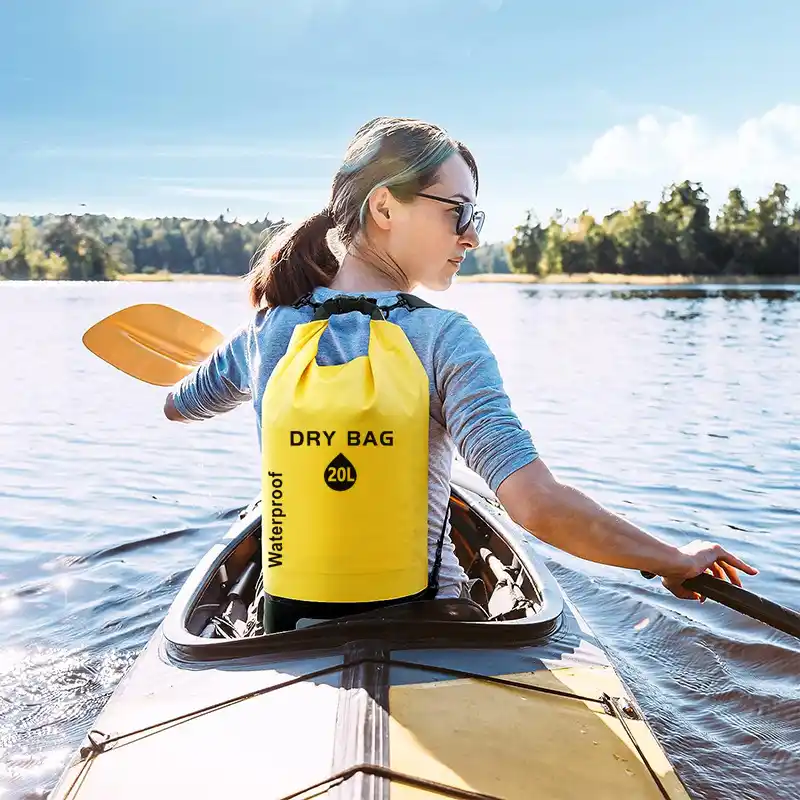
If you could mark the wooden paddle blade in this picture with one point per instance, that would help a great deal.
(152, 342)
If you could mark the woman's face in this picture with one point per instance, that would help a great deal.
(420, 236)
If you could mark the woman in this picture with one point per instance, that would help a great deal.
(403, 206)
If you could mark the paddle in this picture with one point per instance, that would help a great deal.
(152, 342)
(159, 345)
(747, 603)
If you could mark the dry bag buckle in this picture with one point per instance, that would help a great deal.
(344, 305)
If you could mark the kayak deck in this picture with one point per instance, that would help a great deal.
(512, 699)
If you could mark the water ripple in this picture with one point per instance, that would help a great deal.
(675, 407)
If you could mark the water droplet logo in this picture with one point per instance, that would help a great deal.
(340, 474)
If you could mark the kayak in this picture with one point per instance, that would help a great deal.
(503, 694)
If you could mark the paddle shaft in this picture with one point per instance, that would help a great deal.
(747, 603)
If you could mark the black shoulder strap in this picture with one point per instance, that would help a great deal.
(304, 300)
(411, 301)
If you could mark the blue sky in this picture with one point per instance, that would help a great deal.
(192, 107)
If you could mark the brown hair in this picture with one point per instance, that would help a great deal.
(402, 154)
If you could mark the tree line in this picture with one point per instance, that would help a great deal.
(97, 247)
(678, 236)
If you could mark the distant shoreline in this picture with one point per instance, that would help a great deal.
(156, 277)
(589, 278)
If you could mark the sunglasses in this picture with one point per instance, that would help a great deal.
(466, 213)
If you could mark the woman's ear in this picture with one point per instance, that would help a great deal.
(380, 206)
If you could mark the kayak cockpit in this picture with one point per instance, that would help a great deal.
(512, 598)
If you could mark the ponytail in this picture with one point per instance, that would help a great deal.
(294, 263)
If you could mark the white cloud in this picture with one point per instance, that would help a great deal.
(667, 148)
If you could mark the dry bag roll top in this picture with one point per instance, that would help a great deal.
(345, 465)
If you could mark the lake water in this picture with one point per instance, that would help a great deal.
(679, 408)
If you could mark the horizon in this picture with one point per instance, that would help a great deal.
(123, 112)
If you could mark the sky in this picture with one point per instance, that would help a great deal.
(245, 107)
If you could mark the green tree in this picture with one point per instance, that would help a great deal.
(489, 258)
(686, 220)
(87, 257)
(775, 238)
(23, 259)
(17, 261)
(553, 249)
(583, 246)
(641, 242)
(526, 247)
(736, 228)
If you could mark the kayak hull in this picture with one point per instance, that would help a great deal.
(402, 711)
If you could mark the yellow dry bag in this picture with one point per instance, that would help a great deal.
(345, 467)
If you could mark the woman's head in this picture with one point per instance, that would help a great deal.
(402, 203)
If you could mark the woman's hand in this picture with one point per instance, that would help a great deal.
(698, 557)
(172, 413)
